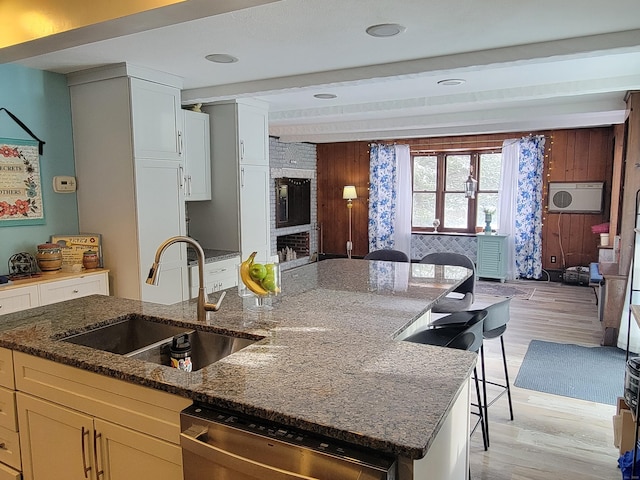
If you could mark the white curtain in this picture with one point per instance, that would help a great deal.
(402, 236)
(507, 196)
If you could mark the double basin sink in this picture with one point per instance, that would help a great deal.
(144, 339)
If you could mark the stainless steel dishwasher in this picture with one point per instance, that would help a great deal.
(222, 445)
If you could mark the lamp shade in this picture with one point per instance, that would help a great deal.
(349, 192)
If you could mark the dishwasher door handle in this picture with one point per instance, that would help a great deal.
(236, 463)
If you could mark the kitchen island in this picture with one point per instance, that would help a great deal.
(327, 358)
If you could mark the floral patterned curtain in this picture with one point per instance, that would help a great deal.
(382, 196)
(528, 217)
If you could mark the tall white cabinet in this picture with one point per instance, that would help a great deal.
(238, 216)
(127, 125)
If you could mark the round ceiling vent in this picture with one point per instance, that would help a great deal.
(562, 199)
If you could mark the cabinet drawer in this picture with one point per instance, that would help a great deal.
(8, 418)
(73, 288)
(8, 473)
(18, 299)
(10, 448)
(217, 276)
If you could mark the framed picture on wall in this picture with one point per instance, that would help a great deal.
(20, 183)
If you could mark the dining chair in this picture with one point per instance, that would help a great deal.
(462, 296)
(388, 255)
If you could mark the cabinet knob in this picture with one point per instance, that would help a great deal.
(75, 291)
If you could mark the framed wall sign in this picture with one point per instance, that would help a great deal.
(20, 183)
(74, 246)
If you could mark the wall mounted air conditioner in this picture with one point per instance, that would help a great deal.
(584, 197)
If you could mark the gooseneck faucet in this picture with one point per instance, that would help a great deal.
(203, 301)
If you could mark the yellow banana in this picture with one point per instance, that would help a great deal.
(251, 284)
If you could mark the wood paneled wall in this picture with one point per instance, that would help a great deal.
(571, 155)
(341, 164)
(584, 155)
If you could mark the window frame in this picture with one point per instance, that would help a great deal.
(440, 192)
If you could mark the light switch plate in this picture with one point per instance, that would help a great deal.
(64, 184)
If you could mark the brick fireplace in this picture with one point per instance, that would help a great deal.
(297, 242)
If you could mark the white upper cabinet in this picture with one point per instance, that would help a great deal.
(253, 134)
(197, 156)
(157, 120)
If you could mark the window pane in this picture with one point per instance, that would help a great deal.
(457, 172)
(455, 210)
(489, 178)
(487, 200)
(425, 172)
(424, 209)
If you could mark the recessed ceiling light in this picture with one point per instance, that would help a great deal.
(452, 81)
(385, 30)
(221, 58)
(325, 96)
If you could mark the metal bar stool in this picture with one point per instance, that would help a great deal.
(465, 334)
(495, 324)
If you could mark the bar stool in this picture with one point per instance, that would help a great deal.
(388, 255)
(494, 325)
(465, 291)
(464, 334)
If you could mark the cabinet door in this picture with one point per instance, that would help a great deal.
(160, 210)
(157, 120)
(129, 455)
(490, 257)
(73, 288)
(57, 443)
(254, 212)
(253, 134)
(197, 156)
(18, 299)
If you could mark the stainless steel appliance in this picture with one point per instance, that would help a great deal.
(222, 445)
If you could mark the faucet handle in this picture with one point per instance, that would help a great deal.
(214, 307)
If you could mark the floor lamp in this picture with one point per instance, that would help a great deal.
(348, 194)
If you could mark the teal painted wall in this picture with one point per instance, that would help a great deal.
(41, 100)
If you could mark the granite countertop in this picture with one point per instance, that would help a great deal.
(326, 359)
(210, 255)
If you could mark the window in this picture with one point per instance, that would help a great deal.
(438, 189)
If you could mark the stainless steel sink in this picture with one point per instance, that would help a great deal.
(129, 335)
(206, 348)
(145, 339)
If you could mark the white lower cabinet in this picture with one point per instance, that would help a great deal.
(73, 288)
(56, 288)
(18, 299)
(75, 424)
(218, 276)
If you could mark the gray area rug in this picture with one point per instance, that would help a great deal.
(503, 289)
(595, 374)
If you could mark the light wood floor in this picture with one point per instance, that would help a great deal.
(552, 437)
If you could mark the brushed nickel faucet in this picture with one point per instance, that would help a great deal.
(203, 301)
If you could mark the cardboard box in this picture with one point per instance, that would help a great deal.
(623, 427)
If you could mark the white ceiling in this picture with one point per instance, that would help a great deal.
(528, 66)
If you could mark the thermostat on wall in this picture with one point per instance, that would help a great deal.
(64, 184)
